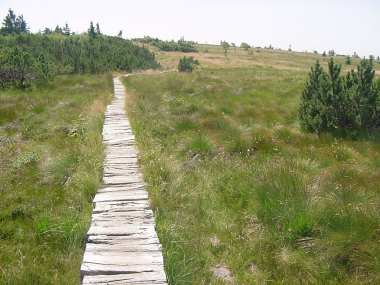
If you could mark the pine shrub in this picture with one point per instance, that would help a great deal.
(335, 103)
(186, 64)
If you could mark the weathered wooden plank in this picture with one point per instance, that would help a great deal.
(122, 259)
(115, 171)
(130, 217)
(122, 187)
(121, 206)
(138, 185)
(139, 278)
(146, 214)
(121, 196)
(112, 180)
(146, 232)
(120, 240)
(94, 268)
(124, 248)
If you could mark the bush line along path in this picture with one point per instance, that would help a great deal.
(122, 244)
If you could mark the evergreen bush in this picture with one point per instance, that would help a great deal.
(332, 102)
(186, 64)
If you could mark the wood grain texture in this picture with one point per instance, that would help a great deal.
(122, 244)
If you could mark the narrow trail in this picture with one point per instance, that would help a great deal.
(122, 244)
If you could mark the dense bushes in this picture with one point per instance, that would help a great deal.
(181, 45)
(332, 102)
(25, 57)
(186, 64)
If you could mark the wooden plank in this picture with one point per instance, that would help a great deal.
(100, 268)
(132, 278)
(139, 278)
(121, 206)
(123, 195)
(105, 240)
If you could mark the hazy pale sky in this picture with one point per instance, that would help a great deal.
(343, 25)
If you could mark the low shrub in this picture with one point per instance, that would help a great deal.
(186, 64)
(345, 104)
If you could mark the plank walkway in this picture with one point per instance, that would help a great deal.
(122, 244)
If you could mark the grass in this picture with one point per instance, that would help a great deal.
(212, 56)
(50, 168)
(234, 182)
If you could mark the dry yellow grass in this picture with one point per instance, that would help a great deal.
(212, 56)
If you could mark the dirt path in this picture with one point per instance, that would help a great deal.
(122, 244)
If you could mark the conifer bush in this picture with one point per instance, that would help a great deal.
(186, 64)
(332, 102)
(13, 24)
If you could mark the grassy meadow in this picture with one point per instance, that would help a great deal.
(238, 189)
(51, 156)
(212, 56)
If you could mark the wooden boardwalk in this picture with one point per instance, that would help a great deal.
(122, 244)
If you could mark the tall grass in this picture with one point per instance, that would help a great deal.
(51, 158)
(234, 181)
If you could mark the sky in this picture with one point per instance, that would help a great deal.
(346, 26)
